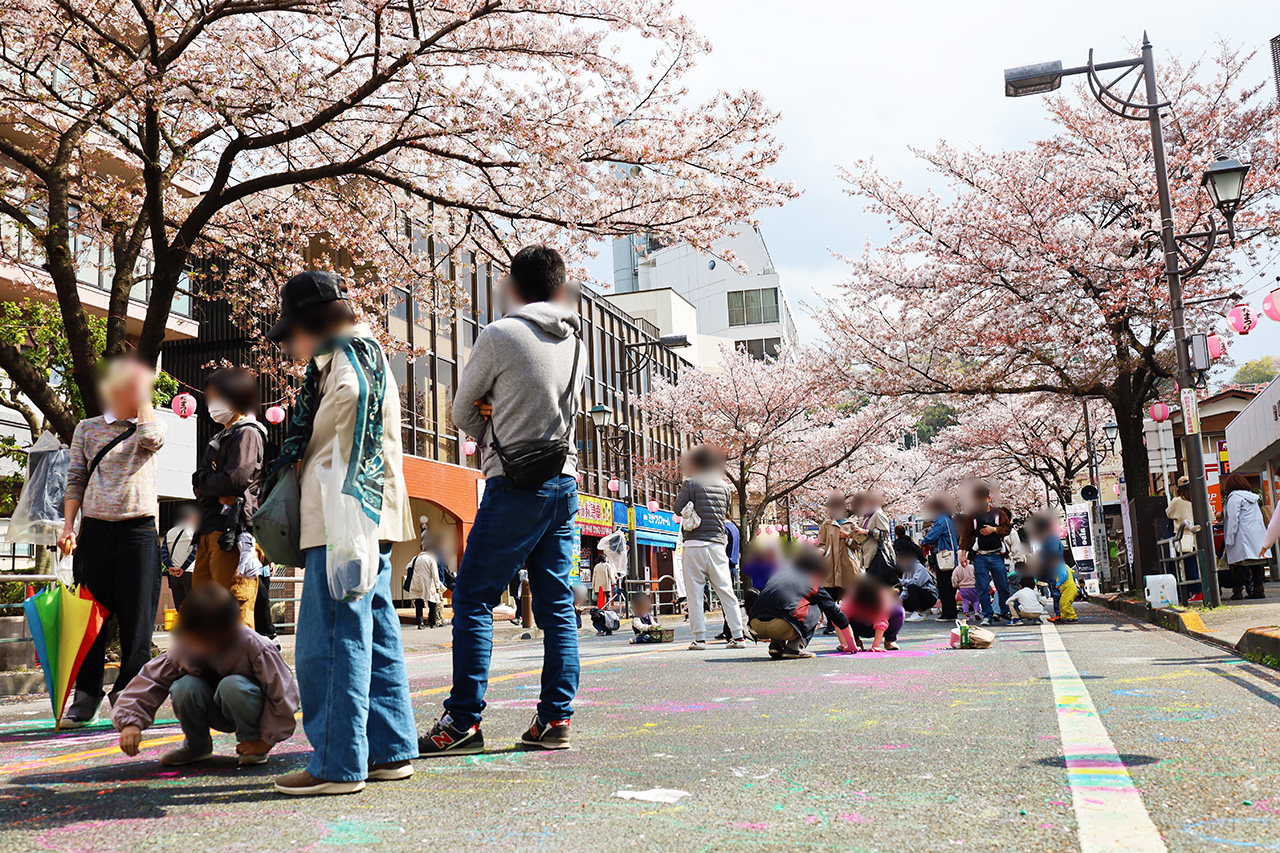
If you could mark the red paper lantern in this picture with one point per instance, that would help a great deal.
(1216, 346)
(469, 447)
(1159, 413)
(183, 405)
(275, 414)
(614, 485)
(1271, 305)
(1242, 319)
(653, 506)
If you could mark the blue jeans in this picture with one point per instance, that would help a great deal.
(351, 677)
(988, 568)
(234, 705)
(515, 527)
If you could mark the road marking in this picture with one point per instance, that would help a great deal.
(1108, 807)
(165, 741)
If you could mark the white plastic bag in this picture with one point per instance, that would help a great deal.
(248, 566)
(614, 548)
(351, 536)
(63, 570)
(37, 518)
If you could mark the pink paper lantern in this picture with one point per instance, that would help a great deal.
(770, 529)
(183, 405)
(1159, 413)
(577, 477)
(275, 414)
(1116, 488)
(614, 485)
(469, 447)
(1216, 346)
(1271, 305)
(1242, 319)
(653, 506)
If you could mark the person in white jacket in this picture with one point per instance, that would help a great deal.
(425, 587)
(1244, 532)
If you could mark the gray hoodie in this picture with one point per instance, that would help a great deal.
(521, 366)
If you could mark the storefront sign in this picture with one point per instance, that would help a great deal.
(1224, 461)
(595, 515)
(660, 528)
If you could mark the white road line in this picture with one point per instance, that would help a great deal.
(1109, 809)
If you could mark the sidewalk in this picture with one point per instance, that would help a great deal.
(1250, 627)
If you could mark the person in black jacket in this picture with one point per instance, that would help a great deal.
(227, 486)
(786, 613)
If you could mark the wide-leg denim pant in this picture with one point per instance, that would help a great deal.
(351, 677)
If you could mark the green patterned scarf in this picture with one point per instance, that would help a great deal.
(365, 469)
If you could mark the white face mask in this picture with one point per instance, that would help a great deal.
(221, 412)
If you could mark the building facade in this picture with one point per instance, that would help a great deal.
(748, 307)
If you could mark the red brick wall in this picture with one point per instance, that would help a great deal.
(449, 486)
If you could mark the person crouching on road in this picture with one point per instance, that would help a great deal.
(919, 592)
(350, 659)
(786, 611)
(644, 624)
(874, 611)
(221, 675)
(1029, 605)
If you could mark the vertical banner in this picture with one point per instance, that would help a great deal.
(1190, 412)
(1080, 535)
(1128, 532)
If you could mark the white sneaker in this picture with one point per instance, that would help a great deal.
(739, 643)
(914, 617)
(697, 646)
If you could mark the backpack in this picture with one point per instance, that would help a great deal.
(447, 577)
(605, 619)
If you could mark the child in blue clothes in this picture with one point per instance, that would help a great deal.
(643, 622)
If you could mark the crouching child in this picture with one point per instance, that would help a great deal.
(1027, 604)
(220, 675)
(644, 625)
(786, 612)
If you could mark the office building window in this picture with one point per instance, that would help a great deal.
(760, 348)
(753, 307)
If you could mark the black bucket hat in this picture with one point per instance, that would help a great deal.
(303, 290)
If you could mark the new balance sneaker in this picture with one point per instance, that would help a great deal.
(446, 739)
(552, 735)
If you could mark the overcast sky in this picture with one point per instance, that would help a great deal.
(858, 79)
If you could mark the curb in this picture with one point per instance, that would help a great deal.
(1181, 622)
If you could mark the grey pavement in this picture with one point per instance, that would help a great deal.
(923, 749)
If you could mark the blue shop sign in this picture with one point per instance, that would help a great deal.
(659, 528)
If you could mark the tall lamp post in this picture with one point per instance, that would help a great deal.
(1225, 183)
(619, 438)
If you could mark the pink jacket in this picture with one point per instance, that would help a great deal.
(251, 655)
(962, 577)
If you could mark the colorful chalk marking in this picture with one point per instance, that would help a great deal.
(1109, 809)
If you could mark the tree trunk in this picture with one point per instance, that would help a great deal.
(1133, 452)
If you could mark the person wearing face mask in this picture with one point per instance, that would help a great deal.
(227, 486)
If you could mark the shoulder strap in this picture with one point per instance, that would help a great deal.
(110, 446)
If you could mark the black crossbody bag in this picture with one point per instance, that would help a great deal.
(108, 447)
(535, 463)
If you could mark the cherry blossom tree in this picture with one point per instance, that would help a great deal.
(400, 141)
(1030, 446)
(782, 425)
(1034, 271)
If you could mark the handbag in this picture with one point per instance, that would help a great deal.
(535, 463)
(277, 525)
(947, 560)
(689, 518)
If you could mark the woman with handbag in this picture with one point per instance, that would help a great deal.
(944, 542)
(350, 661)
(1244, 532)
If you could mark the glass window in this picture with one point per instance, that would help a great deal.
(444, 334)
(769, 305)
(737, 310)
(444, 395)
(398, 313)
(421, 325)
(182, 298)
(754, 316)
(480, 298)
(425, 398)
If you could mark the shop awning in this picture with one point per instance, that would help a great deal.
(658, 540)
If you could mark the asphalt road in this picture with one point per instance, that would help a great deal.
(1106, 735)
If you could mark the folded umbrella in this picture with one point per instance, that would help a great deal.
(64, 623)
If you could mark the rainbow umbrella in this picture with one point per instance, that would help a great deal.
(64, 622)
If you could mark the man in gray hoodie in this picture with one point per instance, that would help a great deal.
(520, 388)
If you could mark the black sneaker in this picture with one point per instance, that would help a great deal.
(446, 739)
(552, 735)
(775, 649)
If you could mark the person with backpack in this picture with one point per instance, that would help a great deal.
(112, 481)
(706, 496)
(227, 484)
(519, 395)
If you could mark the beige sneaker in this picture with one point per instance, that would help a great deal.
(303, 784)
(186, 755)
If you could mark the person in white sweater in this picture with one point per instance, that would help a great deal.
(1028, 604)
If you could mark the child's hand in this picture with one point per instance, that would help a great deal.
(130, 740)
(877, 648)
(253, 747)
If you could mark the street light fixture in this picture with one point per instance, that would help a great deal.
(600, 415)
(1111, 430)
(1225, 183)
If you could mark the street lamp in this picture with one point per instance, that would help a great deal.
(1111, 430)
(1225, 183)
(622, 442)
